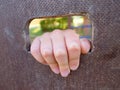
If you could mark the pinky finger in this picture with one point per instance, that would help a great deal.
(35, 51)
(85, 45)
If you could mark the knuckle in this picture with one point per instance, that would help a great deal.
(74, 47)
(60, 54)
(46, 34)
(37, 38)
(76, 35)
(34, 51)
(84, 39)
(57, 31)
(70, 31)
(46, 53)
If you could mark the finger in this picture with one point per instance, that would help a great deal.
(47, 53)
(73, 47)
(35, 51)
(60, 52)
(85, 45)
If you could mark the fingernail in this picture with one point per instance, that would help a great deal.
(56, 71)
(65, 73)
(74, 67)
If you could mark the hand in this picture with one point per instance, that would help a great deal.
(60, 50)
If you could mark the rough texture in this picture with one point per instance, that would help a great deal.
(99, 70)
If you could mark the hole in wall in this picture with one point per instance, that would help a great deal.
(80, 23)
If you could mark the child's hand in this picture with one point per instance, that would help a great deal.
(60, 50)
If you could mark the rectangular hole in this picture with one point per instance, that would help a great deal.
(81, 24)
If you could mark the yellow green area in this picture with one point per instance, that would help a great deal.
(39, 26)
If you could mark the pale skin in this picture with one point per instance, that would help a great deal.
(60, 50)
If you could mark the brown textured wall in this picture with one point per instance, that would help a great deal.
(99, 70)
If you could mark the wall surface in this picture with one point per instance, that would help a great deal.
(99, 70)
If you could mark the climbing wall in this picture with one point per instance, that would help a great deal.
(99, 70)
